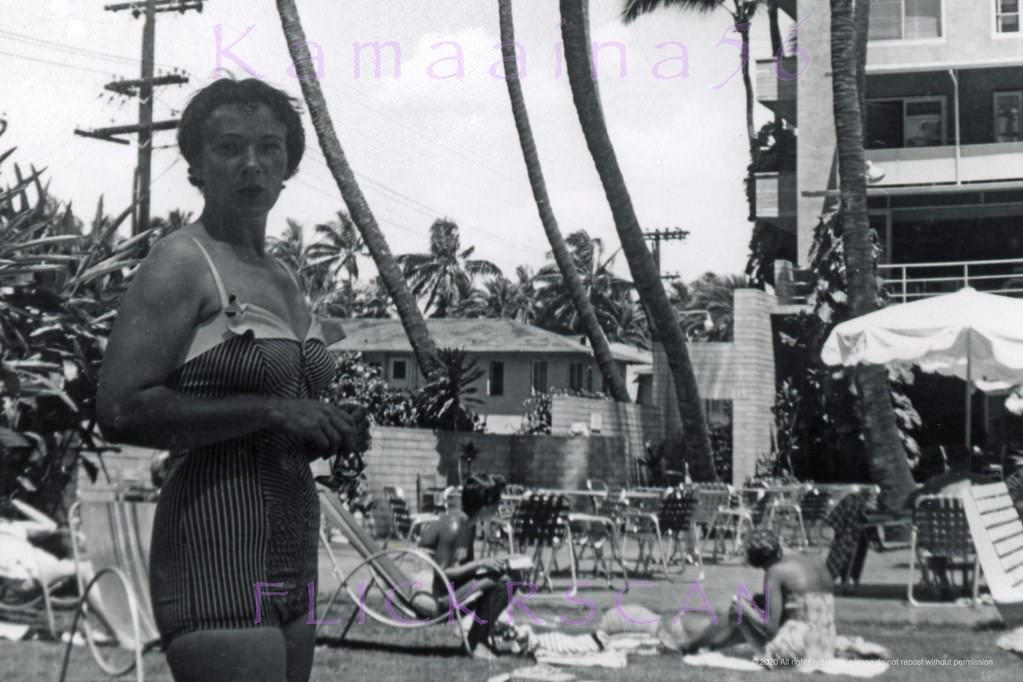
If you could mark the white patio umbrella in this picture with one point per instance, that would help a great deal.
(975, 336)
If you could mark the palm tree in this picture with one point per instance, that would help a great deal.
(587, 317)
(498, 298)
(599, 285)
(627, 322)
(412, 320)
(885, 454)
(372, 301)
(716, 295)
(445, 275)
(575, 36)
(339, 249)
(291, 249)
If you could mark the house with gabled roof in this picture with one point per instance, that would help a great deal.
(517, 359)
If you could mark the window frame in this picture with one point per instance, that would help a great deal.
(1001, 35)
(994, 115)
(543, 366)
(920, 98)
(395, 362)
(499, 382)
(903, 40)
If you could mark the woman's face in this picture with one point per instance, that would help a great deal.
(244, 159)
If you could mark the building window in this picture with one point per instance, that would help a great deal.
(1007, 16)
(910, 122)
(580, 376)
(496, 383)
(1007, 116)
(539, 377)
(905, 19)
(398, 370)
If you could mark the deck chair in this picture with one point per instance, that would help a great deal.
(32, 579)
(940, 531)
(403, 525)
(673, 521)
(598, 531)
(413, 604)
(116, 526)
(540, 522)
(997, 532)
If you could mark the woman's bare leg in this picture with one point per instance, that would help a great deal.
(300, 644)
(242, 654)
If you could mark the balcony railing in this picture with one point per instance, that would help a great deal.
(912, 281)
(934, 165)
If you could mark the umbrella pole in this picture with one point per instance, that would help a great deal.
(969, 397)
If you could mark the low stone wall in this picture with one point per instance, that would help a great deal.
(633, 424)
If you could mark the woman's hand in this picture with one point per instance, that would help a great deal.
(323, 429)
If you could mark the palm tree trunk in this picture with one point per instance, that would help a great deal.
(575, 35)
(885, 455)
(777, 50)
(562, 256)
(411, 319)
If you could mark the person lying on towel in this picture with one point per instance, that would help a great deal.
(792, 621)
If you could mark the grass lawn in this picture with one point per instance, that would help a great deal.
(375, 654)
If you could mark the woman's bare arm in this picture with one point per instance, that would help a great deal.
(163, 304)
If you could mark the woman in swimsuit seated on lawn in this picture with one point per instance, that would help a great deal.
(799, 605)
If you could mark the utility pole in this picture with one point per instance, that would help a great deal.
(667, 234)
(143, 89)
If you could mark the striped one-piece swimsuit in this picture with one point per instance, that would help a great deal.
(242, 511)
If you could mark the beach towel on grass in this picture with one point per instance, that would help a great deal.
(855, 657)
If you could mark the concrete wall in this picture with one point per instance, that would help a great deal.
(399, 455)
(633, 424)
(967, 37)
(741, 371)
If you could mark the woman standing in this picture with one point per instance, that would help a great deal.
(216, 357)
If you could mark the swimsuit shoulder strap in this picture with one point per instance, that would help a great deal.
(215, 272)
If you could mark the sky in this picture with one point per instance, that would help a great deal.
(434, 139)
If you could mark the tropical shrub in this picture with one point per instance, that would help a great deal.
(59, 288)
(536, 416)
(448, 401)
(816, 415)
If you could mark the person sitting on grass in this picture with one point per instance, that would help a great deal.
(797, 601)
(450, 540)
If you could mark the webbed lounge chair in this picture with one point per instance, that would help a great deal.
(116, 526)
(407, 604)
(997, 531)
(940, 531)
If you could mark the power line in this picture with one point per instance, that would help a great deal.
(53, 63)
(80, 51)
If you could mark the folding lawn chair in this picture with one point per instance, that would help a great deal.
(597, 531)
(997, 531)
(674, 519)
(116, 526)
(403, 525)
(31, 579)
(941, 542)
(407, 604)
(541, 522)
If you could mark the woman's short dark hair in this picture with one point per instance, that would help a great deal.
(249, 91)
(763, 547)
(480, 491)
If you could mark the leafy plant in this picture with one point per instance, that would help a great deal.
(358, 381)
(815, 409)
(447, 402)
(536, 416)
(59, 288)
